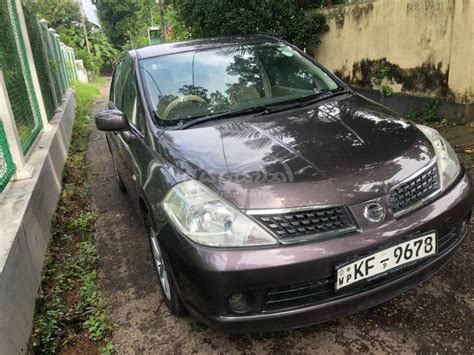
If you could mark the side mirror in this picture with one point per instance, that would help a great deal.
(111, 120)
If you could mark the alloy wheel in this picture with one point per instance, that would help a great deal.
(160, 265)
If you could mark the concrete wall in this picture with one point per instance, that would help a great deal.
(428, 45)
(26, 209)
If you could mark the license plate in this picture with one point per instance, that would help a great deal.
(385, 260)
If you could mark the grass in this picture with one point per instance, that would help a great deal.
(100, 80)
(70, 313)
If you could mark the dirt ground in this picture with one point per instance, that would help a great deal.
(437, 316)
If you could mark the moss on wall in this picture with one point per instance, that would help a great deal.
(428, 79)
(338, 15)
(424, 44)
(358, 12)
(353, 11)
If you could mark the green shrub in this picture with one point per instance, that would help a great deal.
(428, 114)
(284, 19)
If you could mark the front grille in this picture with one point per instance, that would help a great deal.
(322, 290)
(293, 226)
(415, 190)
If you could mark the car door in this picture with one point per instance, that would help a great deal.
(137, 153)
(125, 99)
(113, 138)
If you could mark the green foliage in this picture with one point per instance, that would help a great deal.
(380, 75)
(84, 221)
(69, 298)
(97, 323)
(284, 19)
(428, 114)
(178, 31)
(380, 80)
(108, 349)
(100, 80)
(86, 95)
(57, 12)
(125, 22)
(102, 50)
(386, 90)
(65, 17)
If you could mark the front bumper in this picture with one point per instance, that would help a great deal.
(208, 276)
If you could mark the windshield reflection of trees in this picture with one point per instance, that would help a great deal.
(264, 67)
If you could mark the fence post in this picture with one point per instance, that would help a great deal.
(57, 56)
(31, 63)
(45, 36)
(70, 52)
(62, 47)
(23, 170)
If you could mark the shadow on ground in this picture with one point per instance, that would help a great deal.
(434, 317)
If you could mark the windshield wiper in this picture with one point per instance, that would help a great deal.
(301, 101)
(311, 99)
(224, 114)
(265, 109)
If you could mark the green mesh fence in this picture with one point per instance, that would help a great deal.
(74, 66)
(64, 67)
(73, 58)
(71, 65)
(17, 75)
(40, 56)
(53, 61)
(7, 168)
(58, 62)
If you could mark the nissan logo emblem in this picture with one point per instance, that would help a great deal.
(374, 212)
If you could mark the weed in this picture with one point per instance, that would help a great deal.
(428, 114)
(381, 81)
(108, 349)
(69, 300)
(84, 221)
(100, 80)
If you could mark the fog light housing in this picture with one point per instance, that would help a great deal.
(241, 302)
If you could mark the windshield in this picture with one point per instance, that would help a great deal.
(193, 84)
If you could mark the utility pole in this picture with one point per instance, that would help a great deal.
(150, 4)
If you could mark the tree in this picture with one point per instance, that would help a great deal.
(284, 19)
(58, 12)
(65, 16)
(125, 22)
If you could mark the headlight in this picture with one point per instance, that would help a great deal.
(208, 219)
(448, 162)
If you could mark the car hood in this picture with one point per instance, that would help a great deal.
(342, 152)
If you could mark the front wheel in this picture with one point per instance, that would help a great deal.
(165, 276)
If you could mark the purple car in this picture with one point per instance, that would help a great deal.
(273, 195)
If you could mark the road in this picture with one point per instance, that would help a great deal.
(437, 316)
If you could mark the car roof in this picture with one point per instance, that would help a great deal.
(206, 43)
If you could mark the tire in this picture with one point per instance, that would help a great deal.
(164, 274)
